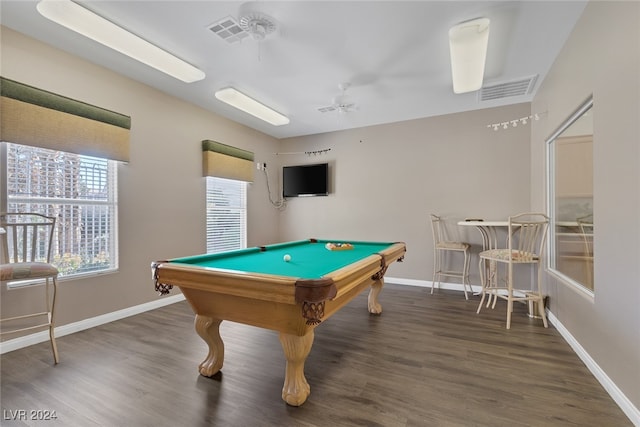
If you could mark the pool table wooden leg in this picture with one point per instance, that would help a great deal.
(296, 349)
(209, 330)
(374, 305)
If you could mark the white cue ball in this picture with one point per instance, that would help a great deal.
(287, 258)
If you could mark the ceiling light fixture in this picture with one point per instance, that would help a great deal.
(257, 25)
(468, 48)
(83, 21)
(249, 105)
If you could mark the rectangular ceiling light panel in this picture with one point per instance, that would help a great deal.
(468, 48)
(83, 21)
(249, 105)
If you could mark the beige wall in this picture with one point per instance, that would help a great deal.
(386, 179)
(602, 58)
(161, 190)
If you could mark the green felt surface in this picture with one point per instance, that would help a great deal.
(308, 260)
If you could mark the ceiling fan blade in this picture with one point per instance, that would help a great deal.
(348, 108)
(340, 108)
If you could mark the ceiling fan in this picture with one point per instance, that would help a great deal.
(341, 103)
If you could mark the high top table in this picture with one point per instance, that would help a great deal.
(487, 230)
(489, 241)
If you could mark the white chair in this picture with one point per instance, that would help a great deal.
(525, 245)
(25, 255)
(442, 247)
(586, 230)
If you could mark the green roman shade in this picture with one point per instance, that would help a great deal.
(224, 161)
(36, 117)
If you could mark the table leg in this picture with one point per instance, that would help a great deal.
(374, 305)
(486, 242)
(209, 330)
(296, 349)
(483, 292)
(489, 241)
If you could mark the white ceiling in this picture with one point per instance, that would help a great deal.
(395, 54)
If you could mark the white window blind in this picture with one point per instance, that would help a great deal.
(80, 191)
(226, 214)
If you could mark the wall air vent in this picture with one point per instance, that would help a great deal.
(228, 29)
(503, 90)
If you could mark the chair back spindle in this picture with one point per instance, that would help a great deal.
(27, 237)
(527, 238)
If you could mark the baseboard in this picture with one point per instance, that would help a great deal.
(616, 394)
(427, 284)
(60, 331)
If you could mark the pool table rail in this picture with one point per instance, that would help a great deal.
(275, 288)
(267, 287)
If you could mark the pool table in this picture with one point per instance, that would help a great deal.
(256, 286)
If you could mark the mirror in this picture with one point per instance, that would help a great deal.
(570, 204)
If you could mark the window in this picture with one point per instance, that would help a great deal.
(571, 232)
(80, 191)
(226, 214)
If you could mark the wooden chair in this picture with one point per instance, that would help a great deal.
(525, 245)
(441, 247)
(25, 256)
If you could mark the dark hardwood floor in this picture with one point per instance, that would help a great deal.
(428, 360)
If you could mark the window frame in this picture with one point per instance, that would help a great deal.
(212, 185)
(110, 205)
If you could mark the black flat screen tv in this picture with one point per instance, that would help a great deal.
(305, 180)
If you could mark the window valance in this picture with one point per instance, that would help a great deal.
(36, 117)
(224, 161)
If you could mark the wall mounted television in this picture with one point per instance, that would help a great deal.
(305, 180)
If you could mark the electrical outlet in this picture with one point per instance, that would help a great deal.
(259, 166)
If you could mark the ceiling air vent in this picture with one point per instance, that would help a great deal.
(327, 109)
(228, 29)
(504, 90)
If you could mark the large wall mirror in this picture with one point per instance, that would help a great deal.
(570, 204)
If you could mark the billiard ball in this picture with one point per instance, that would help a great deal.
(287, 258)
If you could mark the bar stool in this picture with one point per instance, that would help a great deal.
(525, 246)
(25, 255)
(441, 247)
